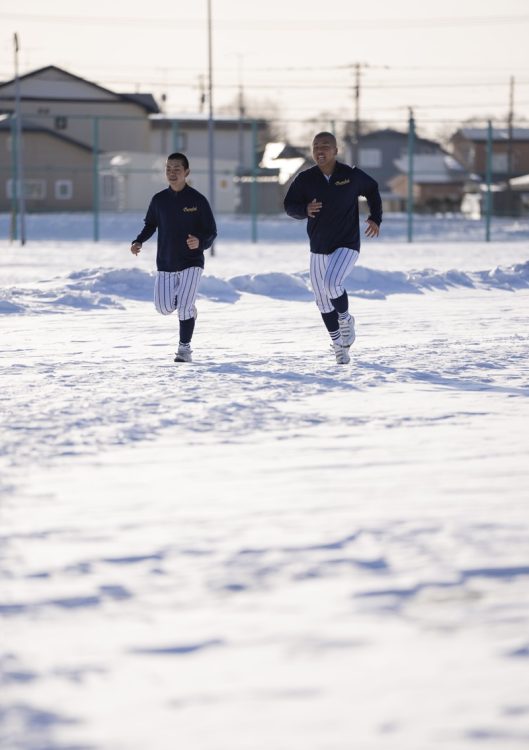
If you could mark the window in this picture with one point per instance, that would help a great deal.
(499, 162)
(109, 186)
(63, 190)
(61, 123)
(370, 157)
(34, 190)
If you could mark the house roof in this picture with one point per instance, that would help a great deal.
(146, 101)
(273, 159)
(32, 127)
(391, 133)
(498, 134)
(520, 183)
(433, 168)
(201, 118)
(291, 152)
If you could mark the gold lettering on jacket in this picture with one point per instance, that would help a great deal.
(342, 182)
(190, 209)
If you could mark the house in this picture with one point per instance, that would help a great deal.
(74, 128)
(438, 182)
(130, 179)
(520, 186)
(264, 189)
(64, 103)
(378, 153)
(67, 123)
(469, 146)
(59, 172)
(236, 140)
(237, 146)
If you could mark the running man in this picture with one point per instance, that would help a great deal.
(186, 227)
(327, 196)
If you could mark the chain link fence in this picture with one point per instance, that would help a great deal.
(474, 180)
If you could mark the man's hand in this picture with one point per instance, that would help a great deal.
(372, 229)
(192, 242)
(313, 207)
(135, 248)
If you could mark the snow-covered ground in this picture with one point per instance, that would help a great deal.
(264, 550)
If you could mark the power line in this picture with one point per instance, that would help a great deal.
(282, 85)
(267, 24)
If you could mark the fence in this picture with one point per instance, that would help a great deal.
(91, 174)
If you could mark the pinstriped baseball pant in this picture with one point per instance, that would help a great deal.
(177, 290)
(327, 274)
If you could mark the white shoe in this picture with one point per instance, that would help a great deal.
(183, 354)
(342, 354)
(347, 330)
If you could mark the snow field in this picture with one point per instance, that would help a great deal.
(264, 549)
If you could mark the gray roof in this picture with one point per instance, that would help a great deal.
(392, 134)
(146, 101)
(202, 118)
(32, 127)
(498, 134)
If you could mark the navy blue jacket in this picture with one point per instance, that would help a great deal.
(175, 215)
(337, 223)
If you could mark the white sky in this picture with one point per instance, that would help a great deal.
(449, 61)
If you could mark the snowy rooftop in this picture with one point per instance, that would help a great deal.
(433, 168)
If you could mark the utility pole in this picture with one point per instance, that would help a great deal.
(242, 113)
(211, 134)
(356, 132)
(201, 93)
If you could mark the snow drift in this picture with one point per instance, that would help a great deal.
(102, 288)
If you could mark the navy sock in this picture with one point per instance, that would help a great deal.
(331, 320)
(186, 330)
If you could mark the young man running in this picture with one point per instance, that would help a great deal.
(327, 196)
(186, 227)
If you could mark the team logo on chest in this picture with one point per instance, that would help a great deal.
(190, 209)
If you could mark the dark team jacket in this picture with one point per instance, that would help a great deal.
(175, 215)
(337, 223)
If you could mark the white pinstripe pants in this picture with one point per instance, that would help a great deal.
(327, 274)
(177, 290)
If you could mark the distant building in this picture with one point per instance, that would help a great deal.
(67, 123)
(129, 180)
(64, 103)
(378, 153)
(58, 171)
(263, 191)
(520, 186)
(74, 128)
(469, 146)
(238, 144)
(438, 182)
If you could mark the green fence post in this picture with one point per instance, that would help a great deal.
(14, 181)
(411, 144)
(253, 184)
(95, 176)
(488, 179)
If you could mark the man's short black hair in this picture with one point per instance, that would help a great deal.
(177, 156)
(325, 134)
